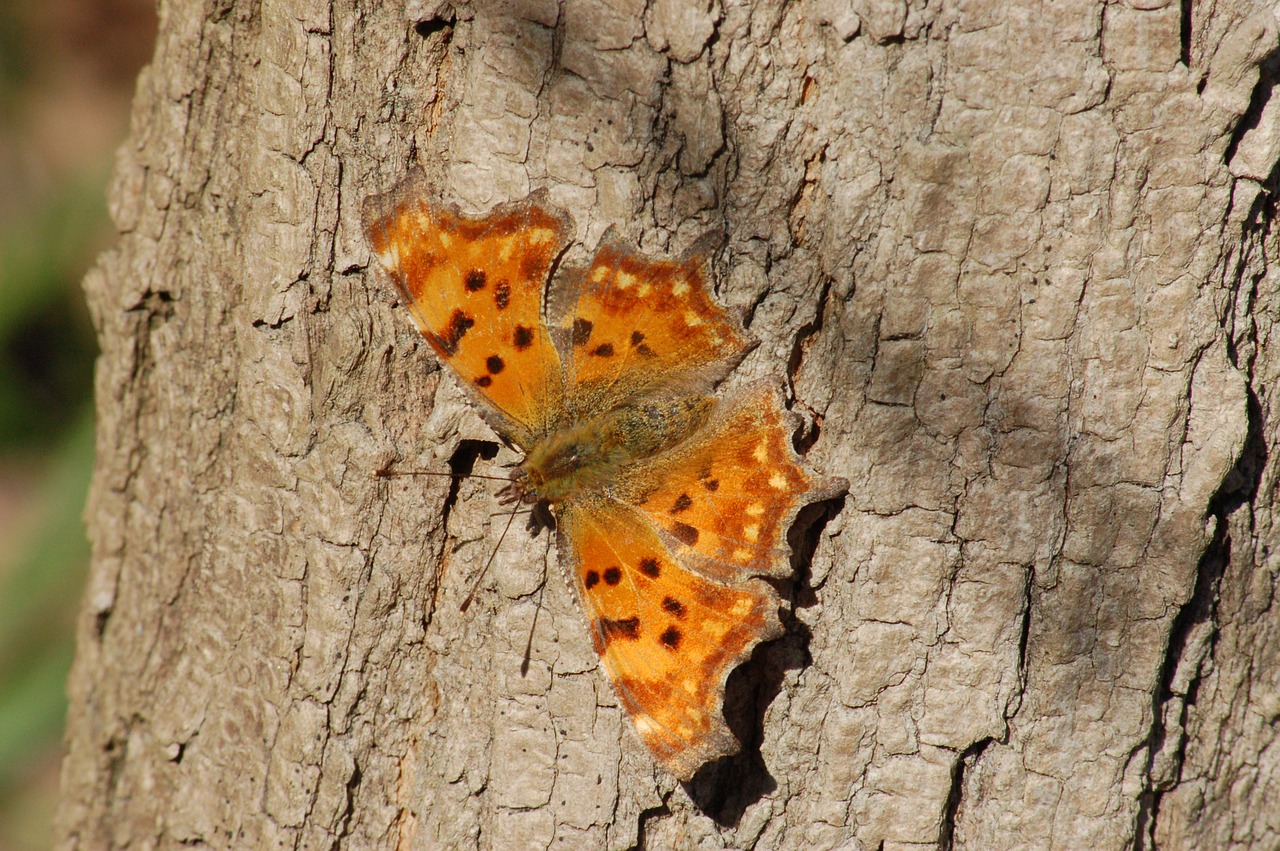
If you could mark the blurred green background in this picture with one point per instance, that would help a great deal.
(67, 70)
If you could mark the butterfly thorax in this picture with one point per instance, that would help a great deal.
(589, 456)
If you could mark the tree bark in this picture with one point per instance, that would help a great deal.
(1015, 264)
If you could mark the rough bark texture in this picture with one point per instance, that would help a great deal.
(1015, 261)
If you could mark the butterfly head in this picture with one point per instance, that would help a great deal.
(560, 465)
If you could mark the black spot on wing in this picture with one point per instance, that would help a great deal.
(672, 606)
(582, 331)
(641, 347)
(459, 324)
(523, 338)
(591, 580)
(682, 502)
(624, 628)
(502, 295)
(685, 533)
(494, 364)
(612, 575)
(475, 280)
(649, 567)
(670, 638)
(604, 350)
(484, 381)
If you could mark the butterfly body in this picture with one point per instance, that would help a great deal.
(579, 459)
(670, 503)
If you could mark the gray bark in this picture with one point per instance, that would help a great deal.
(1015, 263)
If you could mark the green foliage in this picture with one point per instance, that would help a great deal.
(39, 597)
(46, 441)
(46, 344)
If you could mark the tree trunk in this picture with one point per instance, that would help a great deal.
(1014, 262)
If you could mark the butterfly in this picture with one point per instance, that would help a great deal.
(669, 503)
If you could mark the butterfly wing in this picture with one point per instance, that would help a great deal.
(666, 564)
(667, 637)
(475, 288)
(725, 498)
(633, 325)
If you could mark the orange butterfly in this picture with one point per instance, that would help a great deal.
(669, 503)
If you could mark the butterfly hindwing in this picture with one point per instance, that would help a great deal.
(725, 497)
(667, 637)
(475, 286)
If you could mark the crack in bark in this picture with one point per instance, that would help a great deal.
(971, 754)
(807, 436)
(1237, 490)
(1268, 73)
(645, 817)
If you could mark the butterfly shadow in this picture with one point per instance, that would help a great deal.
(724, 789)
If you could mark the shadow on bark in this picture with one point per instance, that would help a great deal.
(723, 790)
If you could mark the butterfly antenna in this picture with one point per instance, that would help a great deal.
(395, 474)
(475, 586)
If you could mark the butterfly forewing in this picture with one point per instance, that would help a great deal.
(475, 287)
(641, 325)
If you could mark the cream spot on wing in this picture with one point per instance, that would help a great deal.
(599, 275)
(626, 281)
(681, 287)
(390, 260)
(690, 685)
(507, 247)
(540, 237)
(741, 554)
(446, 239)
(692, 319)
(752, 532)
(761, 452)
(645, 723)
(644, 290)
(740, 608)
(755, 509)
(778, 481)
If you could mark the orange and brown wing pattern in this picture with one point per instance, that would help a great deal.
(667, 637)
(726, 497)
(475, 287)
(640, 324)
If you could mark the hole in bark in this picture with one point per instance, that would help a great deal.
(646, 816)
(440, 22)
(803, 539)
(1185, 33)
(462, 463)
